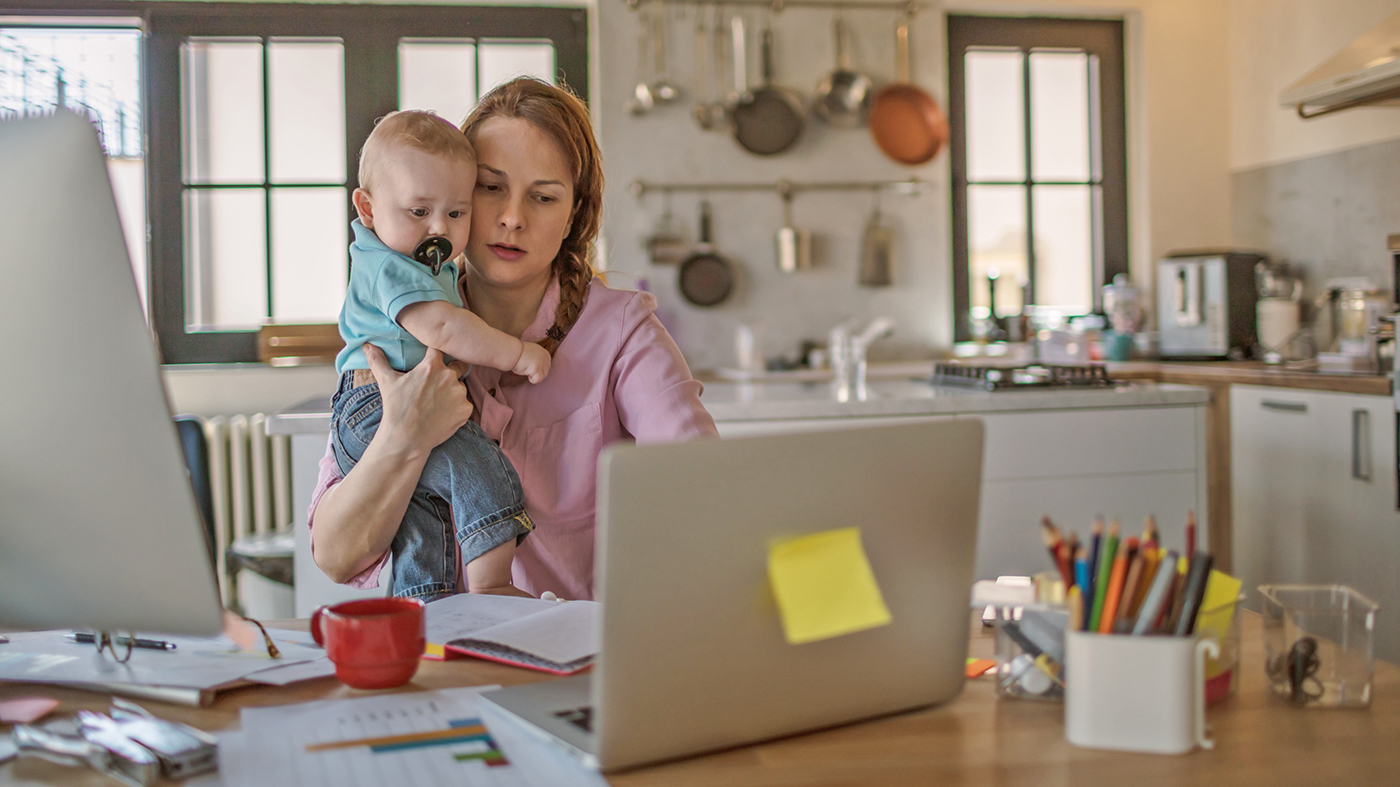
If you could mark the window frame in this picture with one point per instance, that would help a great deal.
(1102, 38)
(370, 34)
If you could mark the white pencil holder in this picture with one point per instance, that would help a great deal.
(1143, 694)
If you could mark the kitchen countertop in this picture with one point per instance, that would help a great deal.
(779, 400)
(767, 401)
(1249, 373)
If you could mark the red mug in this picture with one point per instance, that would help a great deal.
(375, 643)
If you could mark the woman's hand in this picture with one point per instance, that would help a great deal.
(356, 519)
(423, 407)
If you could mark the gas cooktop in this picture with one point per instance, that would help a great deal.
(1017, 378)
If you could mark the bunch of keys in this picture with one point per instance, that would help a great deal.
(130, 745)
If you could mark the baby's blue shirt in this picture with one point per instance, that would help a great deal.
(382, 283)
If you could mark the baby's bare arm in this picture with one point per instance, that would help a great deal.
(490, 572)
(460, 334)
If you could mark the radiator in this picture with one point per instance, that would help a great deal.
(250, 480)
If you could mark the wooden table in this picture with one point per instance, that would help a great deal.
(973, 740)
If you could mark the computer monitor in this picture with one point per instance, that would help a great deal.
(98, 524)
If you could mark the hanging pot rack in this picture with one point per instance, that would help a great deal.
(912, 187)
(777, 6)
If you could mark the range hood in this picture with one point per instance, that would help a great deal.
(1366, 73)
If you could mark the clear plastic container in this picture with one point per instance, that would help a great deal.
(1222, 623)
(1319, 644)
(1030, 652)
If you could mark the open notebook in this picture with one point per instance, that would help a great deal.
(560, 638)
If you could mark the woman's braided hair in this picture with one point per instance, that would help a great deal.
(564, 117)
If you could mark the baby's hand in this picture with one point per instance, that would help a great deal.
(533, 363)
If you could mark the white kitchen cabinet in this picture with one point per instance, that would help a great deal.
(1072, 464)
(1313, 482)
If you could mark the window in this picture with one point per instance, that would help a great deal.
(250, 133)
(1039, 165)
(91, 66)
(255, 120)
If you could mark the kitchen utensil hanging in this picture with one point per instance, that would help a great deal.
(709, 111)
(876, 250)
(843, 96)
(706, 278)
(666, 244)
(663, 90)
(794, 246)
(769, 119)
(641, 101)
(905, 121)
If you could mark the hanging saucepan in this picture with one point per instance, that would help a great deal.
(904, 120)
(843, 96)
(769, 119)
(706, 277)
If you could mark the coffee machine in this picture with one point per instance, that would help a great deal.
(1206, 304)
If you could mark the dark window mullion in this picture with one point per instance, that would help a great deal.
(1030, 178)
(267, 168)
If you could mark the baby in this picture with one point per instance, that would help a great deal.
(417, 175)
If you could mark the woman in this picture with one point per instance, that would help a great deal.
(616, 373)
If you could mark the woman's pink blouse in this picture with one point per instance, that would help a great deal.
(617, 376)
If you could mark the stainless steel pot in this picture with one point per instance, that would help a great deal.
(843, 96)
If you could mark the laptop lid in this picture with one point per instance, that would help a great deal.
(693, 654)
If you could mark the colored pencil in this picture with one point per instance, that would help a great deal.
(1095, 543)
(1054, 542)
(1195, 593)
(1114, 591)
(1081, 570)
(1123, 620)
(1178, 597)
(1151, 557)
(1075, 601)
(1152, 606)
(1190, 533)
(1105, 567)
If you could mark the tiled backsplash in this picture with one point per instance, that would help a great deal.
(1328, 215)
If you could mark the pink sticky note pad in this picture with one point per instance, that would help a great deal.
(23, 710)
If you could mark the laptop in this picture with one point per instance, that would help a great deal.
(693, 656)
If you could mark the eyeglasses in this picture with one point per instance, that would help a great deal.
(122, 646)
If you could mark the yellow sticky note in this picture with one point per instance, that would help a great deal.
(824, 586)
(1218, 605)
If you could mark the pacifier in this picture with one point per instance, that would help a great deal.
(433, 252)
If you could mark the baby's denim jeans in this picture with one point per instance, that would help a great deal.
(468, 492)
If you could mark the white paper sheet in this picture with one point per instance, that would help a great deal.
(564, 633)
(196, 663)
(271, 749)
(467, 613)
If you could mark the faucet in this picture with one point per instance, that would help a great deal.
(847, 351)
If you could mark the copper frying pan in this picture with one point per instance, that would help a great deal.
(905, 121)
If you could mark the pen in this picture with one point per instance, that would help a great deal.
(139, 642)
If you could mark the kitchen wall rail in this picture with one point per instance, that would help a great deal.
(778, 5)
(911, 187)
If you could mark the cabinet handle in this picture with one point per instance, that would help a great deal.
(1361, 445)
(1287, 407)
